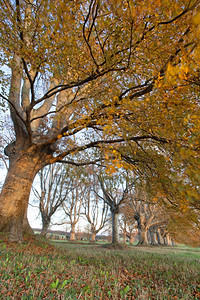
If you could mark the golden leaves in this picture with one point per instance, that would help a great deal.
(196, 19)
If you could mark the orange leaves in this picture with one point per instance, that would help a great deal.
(196, 19)
(177, 73)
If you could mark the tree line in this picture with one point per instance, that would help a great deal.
(121, 200)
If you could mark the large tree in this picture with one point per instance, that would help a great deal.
(89, 73)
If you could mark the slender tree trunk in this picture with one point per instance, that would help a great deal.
(15, 192)
(115, 227)
(131, 238)
(124, 236)
(72, 233)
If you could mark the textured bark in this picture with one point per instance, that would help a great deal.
(93, 237)
(115, 227)
(72, 233)
(131, 238)
(167, 239)
(159, 237)
(15, 192)
(153, 237)
(26, 228)
(124, 237)
(45, 225)
(143, 236)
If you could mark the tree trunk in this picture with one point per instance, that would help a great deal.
(143, 240)
(169, 241)
(72, 233)
(159, 237)
(124, 236)
(45, 225)
(153, 237)
(131, 238)
(115, 227)
(26, 228)
(93, 237)
(15, 192)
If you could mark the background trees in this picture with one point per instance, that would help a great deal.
(95, 211)
(54, 188)
(115, 189)
(73, 203)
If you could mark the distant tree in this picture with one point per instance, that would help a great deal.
(96, 213)
(73, 204)
(127, 223)
(53, 189)
(149, 214)
(115, 188)
(94, 209)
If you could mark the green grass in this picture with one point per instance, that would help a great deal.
(37, 270)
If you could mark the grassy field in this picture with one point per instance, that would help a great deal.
(38, 270)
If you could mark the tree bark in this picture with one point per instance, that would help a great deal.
(131, 238)
(153, 237)
(124, 236)
(159, 237)
(167, 239)
(16, 190)
(115, 226)
(143, 236)
(26, 228)
(72, 233)
(45, 225)
(93, 237)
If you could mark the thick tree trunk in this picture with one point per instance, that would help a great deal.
(26, 228)
(72, 233)
(153, 237)
(45, 225)
(15, 193)
(143, 236)
(93, 237)
(115, 227)
(167, 239)
(159, 237)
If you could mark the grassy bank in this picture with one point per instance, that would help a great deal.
(37, 270)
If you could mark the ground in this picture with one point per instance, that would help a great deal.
(62, 270)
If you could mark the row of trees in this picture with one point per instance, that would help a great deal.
(120, 198)
(94, 81)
